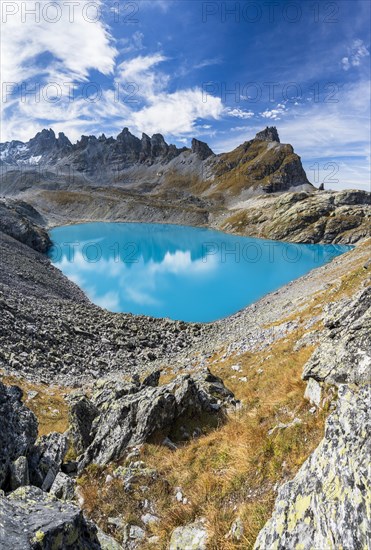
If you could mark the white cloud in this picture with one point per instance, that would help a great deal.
(176, 113)
(77, 44)
(142, 71)
(208, 62)
(356, 52)
(274, 114)
(239, 113)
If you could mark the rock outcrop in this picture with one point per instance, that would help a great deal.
(22, 222)
(18, 432)
(132, 413)
(201, 149)
(344, 355)
(260, 165)
(268, 134)
(31, 519)
(45, 459)
(321, 217)
(327, 504)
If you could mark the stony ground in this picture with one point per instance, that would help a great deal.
(51, 333)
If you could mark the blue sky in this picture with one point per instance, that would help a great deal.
(218, 71)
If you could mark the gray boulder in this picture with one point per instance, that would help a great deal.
(18, 429)
(22, 222)
(335, 478)
(130, 414)
(190, 537)
(63, 487)
(344, 356)
(46, 459)
(326, 504)
(31, 519)
(81, 415)
(19, 475)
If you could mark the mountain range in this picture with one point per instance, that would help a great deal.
(262, 164)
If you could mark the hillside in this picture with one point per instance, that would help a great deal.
(128, 432)
(200, 450)
(149, 164)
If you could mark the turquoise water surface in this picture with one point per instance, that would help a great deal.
(184, 273)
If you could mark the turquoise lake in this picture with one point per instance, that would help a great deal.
(184, 273)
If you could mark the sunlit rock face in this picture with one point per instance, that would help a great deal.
(327, 504)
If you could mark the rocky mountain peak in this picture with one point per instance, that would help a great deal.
(201, 149)
(63, 140)
(43, 141)
(158, 145)
(269, 134)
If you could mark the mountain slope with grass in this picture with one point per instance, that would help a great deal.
(285, 384)
(150, 165)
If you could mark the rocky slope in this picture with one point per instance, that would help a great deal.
(22, 222)
(324, 216)
(149, 164)
(327, 504)
(50, 329)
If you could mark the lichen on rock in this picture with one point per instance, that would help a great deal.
(328, 504)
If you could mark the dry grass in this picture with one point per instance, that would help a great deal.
(49, 405)
(233, 471)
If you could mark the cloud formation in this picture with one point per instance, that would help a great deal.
(356, 53)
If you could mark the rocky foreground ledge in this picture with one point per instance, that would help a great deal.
(38, 482)
(327, 505)
(51, 333)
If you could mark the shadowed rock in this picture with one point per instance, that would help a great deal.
(22, 222)
(130, 414)
(31, 519)
(18, 432)
(46, 459)
(201, 149)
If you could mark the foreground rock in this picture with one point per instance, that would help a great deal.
(22, 222)
(45, 459)
(129, 414)
(18, 432)
(31, 519)
(327, 504)
(190, 537)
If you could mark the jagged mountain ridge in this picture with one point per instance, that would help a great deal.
(46, 148)
(262, 164)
